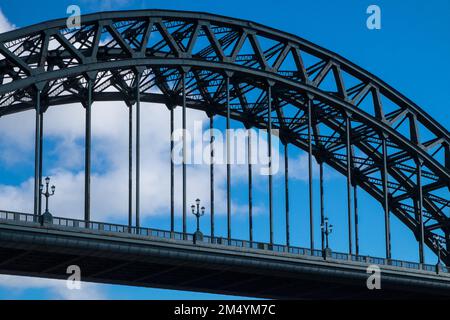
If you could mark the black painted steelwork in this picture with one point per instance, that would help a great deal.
(184, 150)
(420, 210)
(138, 149)
(348, 130)
(310, 175)
(211, 173)
(37, 153)
(130, 166)
(355, 208)
(41, 161)
(87, 157)
(286, 192)
(179, 68)
(322, 202)
(387, 223)
(250, 185)
(228, 128)
(172, 173)
(269, 154)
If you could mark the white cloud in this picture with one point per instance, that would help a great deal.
(5, 25)
(300, 168)
(56, 289)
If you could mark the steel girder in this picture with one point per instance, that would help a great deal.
(114, 47)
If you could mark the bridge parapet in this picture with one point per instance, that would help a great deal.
(114, 230)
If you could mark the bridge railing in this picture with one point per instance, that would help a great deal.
(17, 216)
(164, 234)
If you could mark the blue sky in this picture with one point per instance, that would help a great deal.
(410, 53)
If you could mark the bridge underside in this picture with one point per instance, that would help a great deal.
(181, 265)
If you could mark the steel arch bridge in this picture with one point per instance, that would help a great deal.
(342, 115)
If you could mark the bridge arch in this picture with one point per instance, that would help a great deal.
(265, 78)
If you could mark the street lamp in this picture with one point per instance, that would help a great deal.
(46, 216)
(438, 242)
(200, 212)
(47, 193)
(327, 229)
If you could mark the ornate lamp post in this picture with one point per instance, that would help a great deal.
(46, 216)
(438, 242)
(198, 213)
(327, 229)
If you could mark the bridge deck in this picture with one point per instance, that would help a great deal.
(165, 260)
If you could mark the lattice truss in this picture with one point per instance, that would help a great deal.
(162, 46)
